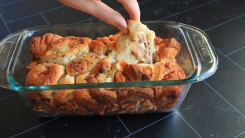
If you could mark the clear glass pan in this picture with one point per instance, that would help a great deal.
(197, 56)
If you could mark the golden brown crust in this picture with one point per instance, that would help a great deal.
(97, 46)
(41, 101)
(82, 64)
(106, 98)
(39, 45)
(31, 66)
(64, 99)
(119, 77)
(70, 43)
(167, 49)
(77, 67)
(85, 100)
(135, 73)
(65, 50)
(168, 96)
(136, 100)
(168, 71)
(44, 74)
(104, 45)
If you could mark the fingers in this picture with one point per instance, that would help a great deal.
(132, 7)
(108, 15)
(105, 13)
(99, 10)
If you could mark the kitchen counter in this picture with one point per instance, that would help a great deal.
(214, 107)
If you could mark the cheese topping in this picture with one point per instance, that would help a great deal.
(136, 46)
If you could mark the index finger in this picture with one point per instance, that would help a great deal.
(99, 10)
(132, 7)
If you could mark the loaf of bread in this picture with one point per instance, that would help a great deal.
(136, 56)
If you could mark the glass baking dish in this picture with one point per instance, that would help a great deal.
(197, 58)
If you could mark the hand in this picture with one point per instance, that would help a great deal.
(100, 10)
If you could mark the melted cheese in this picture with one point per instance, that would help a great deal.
(136, 46)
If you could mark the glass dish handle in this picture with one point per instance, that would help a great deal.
(7, 46)
(203, 52)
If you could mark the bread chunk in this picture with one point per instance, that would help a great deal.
(45, 74)
(137, 46)
(39, 45)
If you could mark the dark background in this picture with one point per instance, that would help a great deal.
(214, 107)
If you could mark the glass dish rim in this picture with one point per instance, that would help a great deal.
(17, 87)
